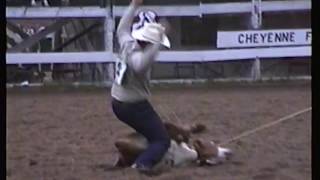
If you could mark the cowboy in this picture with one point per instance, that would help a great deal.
(139, 45)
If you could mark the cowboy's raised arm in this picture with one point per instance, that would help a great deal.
(124, 27)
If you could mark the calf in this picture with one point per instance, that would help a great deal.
(180, 153)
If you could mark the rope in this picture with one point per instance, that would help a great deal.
(247, 133)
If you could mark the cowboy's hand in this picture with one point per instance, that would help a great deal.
(137, 2)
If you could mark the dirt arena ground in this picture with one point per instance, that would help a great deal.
(68, 134)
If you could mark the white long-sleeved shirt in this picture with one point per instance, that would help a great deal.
(135, 86)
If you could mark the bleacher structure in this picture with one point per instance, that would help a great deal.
(71, 22)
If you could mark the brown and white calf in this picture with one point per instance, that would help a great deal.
(180, 153)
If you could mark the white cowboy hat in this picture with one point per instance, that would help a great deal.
(153, 33)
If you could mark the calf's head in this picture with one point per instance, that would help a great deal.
(209, 153)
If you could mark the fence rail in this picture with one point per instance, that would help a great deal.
(164, 56)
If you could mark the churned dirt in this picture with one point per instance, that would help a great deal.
(69, 134)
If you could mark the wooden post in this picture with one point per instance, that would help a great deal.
(109, 26)
(256, 21)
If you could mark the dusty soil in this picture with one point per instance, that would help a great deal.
(69, 135)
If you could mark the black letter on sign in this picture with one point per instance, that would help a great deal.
(308, 36)
(255, 38)
(239, 38)
(292, 37)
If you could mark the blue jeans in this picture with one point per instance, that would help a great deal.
(143, 118)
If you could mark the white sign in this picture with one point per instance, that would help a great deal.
(259, 38)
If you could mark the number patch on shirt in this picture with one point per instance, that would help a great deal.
(121, 68)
